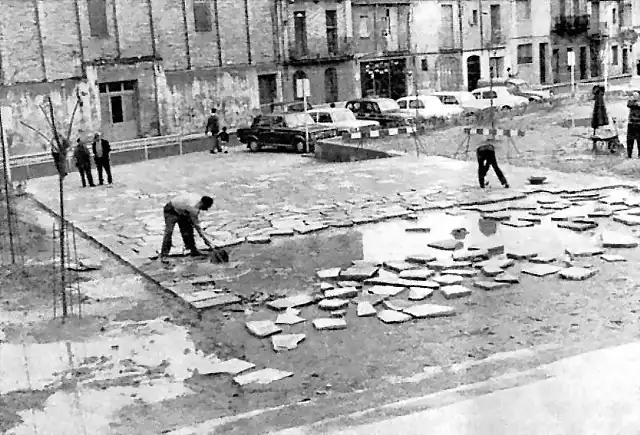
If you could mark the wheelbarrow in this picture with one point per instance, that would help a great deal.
(605, 141)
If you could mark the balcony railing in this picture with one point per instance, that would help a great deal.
(571, 26)
(599, 29)
(343, 50)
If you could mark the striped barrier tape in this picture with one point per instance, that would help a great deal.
(378, 133)
(494, 132)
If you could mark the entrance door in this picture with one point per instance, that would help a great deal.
(543, 62)
(267, 88)
(331, 85)
(119, 110)
(625, 61)
(595, 58)
(556, 65)
(473, 71)
(583, 63)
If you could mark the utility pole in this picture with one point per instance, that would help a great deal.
(7, 175)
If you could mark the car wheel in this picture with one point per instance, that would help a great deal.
(299, 146)
(505, 108)
(254, 146)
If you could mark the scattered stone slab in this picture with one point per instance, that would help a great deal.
(355, 284)
(429, 283)
(446, 245)
(218, 301)
(366, 263)
(397, 304)
(420, 258)
(440, 265)
(471, 255)
(523, 206)
(547, 201)
(289, 318)
(262, 377)
(577, 226)
(342, 292)
(540, 270)
(417, 274)
(501, 216)
(455, 291)
(612, 258)
(518, 224)
(429, 311)
(300, 300)
(521, 254)
(399, 266)
(324, 286)
(338, 313)
(577, 273)
(326, 324)
(465, 273)
(490, 285)
(584, 251)
(284, 342)
(507, 278)
(259, 239)
(333, 304)
(392, 316)
(556, 206)
(503, 263)
(600, 213)
(448, 280)
(359, 273)
(365, 309)
(383, 277)
(627, 219)
(201, 295)
(386, 290)
(543, 259)
(262, 328)
(332, 273)
(493, 248)
(532, 219)
(614, 240)
(541, 212)
(420, 293)
(203, 281)
(280, 232)
(373, 299)
(417, 229)
(307, 229)
(233, 366)
(492, 208)
(492, 270)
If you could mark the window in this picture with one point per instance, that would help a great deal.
(523, 9)
(202, 15)
(416, 104)
(324, 118)
(489, 95)
(614, 16)
(300, 32)
(496, 66)
(363, 30)
(474, 17)
(614, 55)
(402, 104)
(298, 75)
(118, 101)
(525, 54)
(424, 64)
(98, 18)
(331, 19)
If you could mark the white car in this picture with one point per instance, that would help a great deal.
(463, 99)
(502, 98)
(427, 106)
(344, 120)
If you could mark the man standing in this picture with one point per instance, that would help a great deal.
(486, 154)
(184, 210)
(101, 152)
(633, 128)
(83, 163)
(212, 130)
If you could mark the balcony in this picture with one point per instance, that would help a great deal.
(599, 29)
(343, 50)
(571, 26)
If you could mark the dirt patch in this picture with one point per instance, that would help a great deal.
(12, 403)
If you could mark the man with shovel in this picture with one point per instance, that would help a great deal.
(486, 154)
(184, 210)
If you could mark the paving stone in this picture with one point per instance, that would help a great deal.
(455, 291)
(523, 206)
(392, 316)
(262, 328)
(342, 292)
(333, 304)
(577, 273)
(300, 300)
(501, 216)
(233, 366)
(338, 313)
(326, 324)
(518, 224)
(259, 239)
(584, 251)
(532, 219)
(217, 301)
(471, 255)
(420, 258)
(507, 278)
(493, 248)
(543, 259)
(203, 281)
(386, 290)
(429, 311)
(326, 286)
(446, 245)
(397, 304)
(492, 270)
(541, 212)
(465, 273)
(619, 208)
(440, 265)
(355, 284)
(612, 258)
(627, 219)
(447, 280)
(556, 206)
(600, 213)
(420, 293)
(399, 266)
(429, 283)
(307, 229)
(540, 269)
(547, 201)
(492, 208)
(288, 318)
(201, 295)
(490, 285)
(417, 229)
(283, 342)
(521, 254)
(384, 277)
(332, 273)
(365, 309)
(417, 274)
(262, 377)
(281, 232)
(366, 263)
(577, 226)
(615, 240)
(358, 273)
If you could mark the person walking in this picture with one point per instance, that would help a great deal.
(223, 139)
(633, 127)
(212, 129)
(83, 163)
(101, 155)
(486, 154)
(184, 210)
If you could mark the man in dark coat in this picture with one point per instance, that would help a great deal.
(633, 128)
(486, 154)
(212, 129)
(599, 116)
(101, 155)
(83, 163)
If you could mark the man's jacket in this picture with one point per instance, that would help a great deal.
(106, 148)
(634, 112)
(82, 157)
(213, 126)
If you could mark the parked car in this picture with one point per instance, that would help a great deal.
(502, 98)
(286, 130)
(427, 106)
(344, 120)
(284, 107)
(518, 87)
(384, 110)
(463, 99)
(337, 105)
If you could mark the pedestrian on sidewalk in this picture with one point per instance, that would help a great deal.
(212, 129)
(486, 154)
(83, 163)
(633, 127)
(102, 157)
(223, 139)
(184, 210)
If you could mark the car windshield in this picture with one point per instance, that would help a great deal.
(465, 97)
(387, 104)
(431, 101)
(298, 119)
(343, 115)
(523, 85)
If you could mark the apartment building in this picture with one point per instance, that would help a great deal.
(141, 68)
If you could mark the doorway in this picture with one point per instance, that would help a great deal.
(556, 65)
(330, 85)
(594, 50)
(543, 62)
(473, 71)
(267, 88)
(119, 110)
(583, 63)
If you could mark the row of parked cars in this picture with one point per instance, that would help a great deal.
(288, 125)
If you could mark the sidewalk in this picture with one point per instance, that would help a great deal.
(593, 393)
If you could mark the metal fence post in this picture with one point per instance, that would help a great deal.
(146, 152)
(180, 144)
